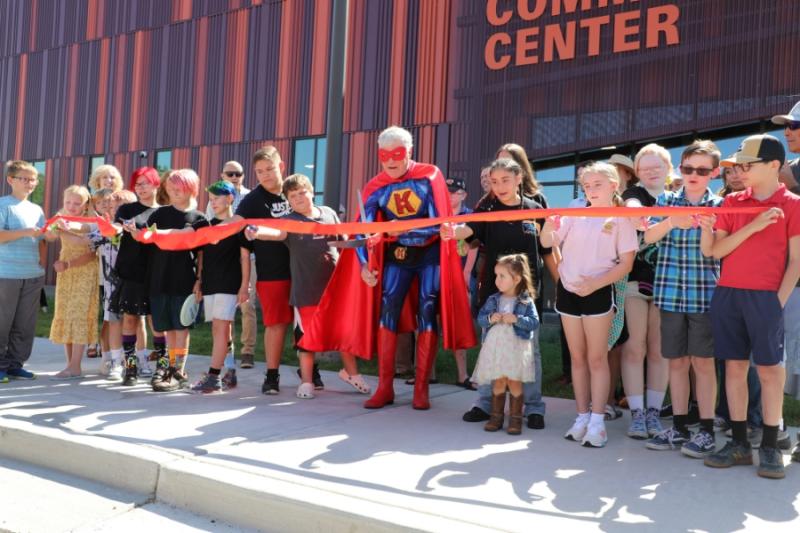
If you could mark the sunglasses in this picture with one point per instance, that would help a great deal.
(232, 174)
(398, 154)
(793, 125)
(700, 171)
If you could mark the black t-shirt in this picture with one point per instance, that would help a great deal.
(272, 257)
(132, 257)
(644, 264)
(503, 238)
(222, 266)
(173, 272)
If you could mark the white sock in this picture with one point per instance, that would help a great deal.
(106, 356)
(584, 417)
(781, 427)
(655, 399)
(597, 419)
(230, 362)
(116, 356)
(636, 401)
(141, 355)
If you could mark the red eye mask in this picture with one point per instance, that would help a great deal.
(398, 154)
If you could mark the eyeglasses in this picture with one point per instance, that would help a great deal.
(700, 171)
(745, 167)
(398, 154)
(793, 125)
(25, 180)
(232, 174)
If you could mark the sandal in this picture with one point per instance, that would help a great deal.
(356, 381)
(305, 391)
(432, 381)
(92, 352)
(612, 413)
(467, 384)
(64, 375)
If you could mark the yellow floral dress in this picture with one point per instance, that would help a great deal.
(77, 297)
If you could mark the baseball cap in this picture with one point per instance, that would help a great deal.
(455, 184)
(793, 116)
(757, 148)
(619, 159)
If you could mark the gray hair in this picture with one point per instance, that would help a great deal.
(395, 135)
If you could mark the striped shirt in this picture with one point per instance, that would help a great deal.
(685, 279)
(19, 259)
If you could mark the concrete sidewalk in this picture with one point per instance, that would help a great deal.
(282, 464)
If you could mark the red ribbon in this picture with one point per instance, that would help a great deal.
(214, 234)
(106, 228)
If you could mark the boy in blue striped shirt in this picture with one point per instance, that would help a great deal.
(684, 284)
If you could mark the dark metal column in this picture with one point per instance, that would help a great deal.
(333, 195)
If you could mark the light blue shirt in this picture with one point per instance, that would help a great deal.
(19, 259)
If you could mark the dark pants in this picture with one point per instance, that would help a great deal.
(19, 305)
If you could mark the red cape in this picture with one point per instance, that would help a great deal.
(347, 315)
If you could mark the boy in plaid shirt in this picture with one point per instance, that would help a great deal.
(683, 287)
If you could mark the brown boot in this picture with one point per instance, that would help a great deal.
(515, 415)
(496, 417)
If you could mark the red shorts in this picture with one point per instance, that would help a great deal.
(274, 298)
(302, 320)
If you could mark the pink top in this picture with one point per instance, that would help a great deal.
(591, 246)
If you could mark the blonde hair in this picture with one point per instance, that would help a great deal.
(656, 150)
(13, 168)
(105, 170)
(518, 265)
(102, 194)
(297, 181)
(83, 193)
(609, 171)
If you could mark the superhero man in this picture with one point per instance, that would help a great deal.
(399, 272)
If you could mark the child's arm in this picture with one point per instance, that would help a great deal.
(792, 273)
(455, 231)
(656, 232)
(724, 243)
(528, 321)
(61, 266)
(264, 234)
(244, 288)
(9, 235)
(547, 236)
(487, 315)
(706, 234)
(198, 284)
(588, 285)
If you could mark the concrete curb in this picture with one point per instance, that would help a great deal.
(212, 488)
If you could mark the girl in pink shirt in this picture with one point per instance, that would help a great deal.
(595, 252)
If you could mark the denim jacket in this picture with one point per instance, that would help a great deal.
(527, 319)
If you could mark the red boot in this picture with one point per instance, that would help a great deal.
(387, 349)
(427, 347)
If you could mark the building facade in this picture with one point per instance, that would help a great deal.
(194, 83)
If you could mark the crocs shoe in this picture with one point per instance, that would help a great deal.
(305, 391)
(356, 381)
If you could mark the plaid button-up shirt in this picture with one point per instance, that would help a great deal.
(685, 279)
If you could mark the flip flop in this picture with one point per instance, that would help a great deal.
(65, 375)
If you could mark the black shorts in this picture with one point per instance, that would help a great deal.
(130, 298)
(167, 312)
(599, 303)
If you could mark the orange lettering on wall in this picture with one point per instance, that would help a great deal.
(525, 45)
(526, 13)
(495, 18)
(663, 19)
(490, 52)
(622, 30)
(563, 42)
(594, 25)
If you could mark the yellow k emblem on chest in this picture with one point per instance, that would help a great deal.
(404, 203)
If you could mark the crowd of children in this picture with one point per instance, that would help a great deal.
(694, 303)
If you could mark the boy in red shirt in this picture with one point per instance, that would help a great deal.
(755, 283)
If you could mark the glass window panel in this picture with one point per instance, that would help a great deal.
(163, 161)
(37, 196)
(565, 173)
(94, 162)
(304, 158)
(319, 175)
(560, 194)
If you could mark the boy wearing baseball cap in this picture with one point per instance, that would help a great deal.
(761, 267)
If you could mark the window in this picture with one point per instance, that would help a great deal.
(37, 196)
(558, 184)
(163, 161)
(94, 162)
(309, 160)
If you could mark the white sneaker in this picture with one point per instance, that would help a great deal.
(115, 372)
(305, 391)
(578, 429)
(145, 370)
(105, 367)
(595, 436)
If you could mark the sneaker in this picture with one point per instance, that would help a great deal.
(316, 379)
(229, 380)
(669, 439)
(3, 376)
(168, 383)
(305, 391)
(652, 422)
(131, 376)
(115, 372)
(720, 424)
(578, 430)
(271, 384)
(476, 414)
(536, 421)
(247, 360)
(145, 370)
(595, 436)
(105, 368)
(181, 376)
(770, 463)
(638, 428)
(733, 453)
(208, 384)
(20, 373)
(666, 411)
(162, 364)
(796, 450)
(702, 444)
(784, 440)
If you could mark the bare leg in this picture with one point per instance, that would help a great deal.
(273, 344)
(576, 339)
(772, 381)
(633, 351)
(515, 387)
(679, 384)
(736, 388)
(499, 386)
(221, 334)
(461, 364)
(614, 367)
(596, 331)
(306, 365)
(705, 372)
